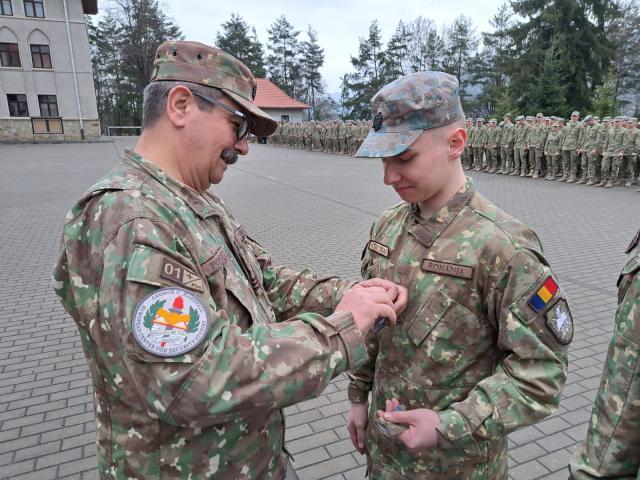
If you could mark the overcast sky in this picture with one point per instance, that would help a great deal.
(339, 23)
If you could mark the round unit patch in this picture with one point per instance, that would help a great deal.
(170, 322)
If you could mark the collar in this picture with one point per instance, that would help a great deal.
(427, 230)
(191, 197)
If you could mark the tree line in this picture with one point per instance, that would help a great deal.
(553, 56)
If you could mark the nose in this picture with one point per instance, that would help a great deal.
(241, 146)
(391, 174)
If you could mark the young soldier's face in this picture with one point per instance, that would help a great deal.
(423, 170)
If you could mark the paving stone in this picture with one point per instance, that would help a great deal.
(315, 455)
(16, 468)
(81, 465)
(526, 452)
(298, 431)
(329, 467)
(528, 471)
(307, 443)
(58, 458)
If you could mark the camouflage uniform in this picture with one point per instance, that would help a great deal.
(520, 148)
(506, 151)
(475, 343)
(479, 143)
(493, 140)
(569, 150)
(212, 410)
(630, 153)
(536, 146)
(612, 156)
(552, 152)
(467, 156)
(612, 446)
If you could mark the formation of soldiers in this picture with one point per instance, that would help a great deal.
(333, 136)
(590, 152)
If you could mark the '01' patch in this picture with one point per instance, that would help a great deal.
(170, 322)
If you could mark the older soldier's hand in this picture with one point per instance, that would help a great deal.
(399, 293)
(422, 424)
(357, 424)
(367, 305)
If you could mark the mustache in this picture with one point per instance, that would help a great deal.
(229, 156)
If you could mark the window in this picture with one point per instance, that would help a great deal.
(9, 55)
(34, 8)
(5, 7)
(40, 56)
(48, 105)
(17, 105)
(284, 118)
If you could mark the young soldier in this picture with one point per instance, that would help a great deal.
(482, 348)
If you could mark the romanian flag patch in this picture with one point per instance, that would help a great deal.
(541, 298)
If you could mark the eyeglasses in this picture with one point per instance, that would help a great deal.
(243, 128)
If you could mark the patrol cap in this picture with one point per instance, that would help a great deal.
(519, 117)
(408, 106)
(575, 113)
(606, 119)
(480, 119)
(529, 117)
(199, 63)
(588, 117)
(539, 115)
(556, 124)
(506, 115)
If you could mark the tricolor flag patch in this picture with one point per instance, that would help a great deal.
(541, 298)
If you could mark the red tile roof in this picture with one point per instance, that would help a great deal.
(270, 96)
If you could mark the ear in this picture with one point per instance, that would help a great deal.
(179, 102)
(457, 141)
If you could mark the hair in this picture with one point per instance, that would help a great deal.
(156, 93)
(446, 130)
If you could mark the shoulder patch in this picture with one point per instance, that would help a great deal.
(560, 322)
(543, 295)
(379, 248)
(170, 322)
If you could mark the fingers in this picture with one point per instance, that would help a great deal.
(360, 440)
(402, 416)
(401, 300)
(353, 435)
(389, 313)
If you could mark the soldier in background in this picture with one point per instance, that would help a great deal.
(506, 145)
(482, 347)
(552, 152)
(492, 139)
(570, 149)
(195, 341)
(520, 146)
(630, 153)
(536, 146)
(467, 156)
(479, 142)
(612, 446)
(584, 146)
(612, 156)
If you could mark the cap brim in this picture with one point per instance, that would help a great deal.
(261, 124)
(387, 144)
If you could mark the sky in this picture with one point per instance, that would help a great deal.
(339, 23)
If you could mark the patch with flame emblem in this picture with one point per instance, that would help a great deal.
(170, 322)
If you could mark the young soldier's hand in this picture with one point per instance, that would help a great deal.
(357, 424)
(422, 424)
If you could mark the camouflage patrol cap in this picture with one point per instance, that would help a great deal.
(556, 124)
(408, 106)
(575, 113)
(199, 63)
(506, 115)
(480, 119)
(588, 117)
(519, 118)
(606, 119)
(539, 115)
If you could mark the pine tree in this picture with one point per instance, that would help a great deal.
(604, 99)
(460, 47)
(312, 59)
(241, 41)
(396, 59)
(283, 62)
(550, 93)
(425, 45)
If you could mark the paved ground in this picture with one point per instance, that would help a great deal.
(308, 209)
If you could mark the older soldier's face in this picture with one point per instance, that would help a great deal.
(423, 170)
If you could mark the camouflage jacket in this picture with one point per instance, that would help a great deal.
(571, 136)
(612, 446)
(470, 345)
(615, 141)
(552, 147)
(590, 138)
(601, 139)
(508, 135)
(471, 131)
(213, 411)
(480, 137)
(493, 137)
(536, 135)
(522, 132)
(630, 139)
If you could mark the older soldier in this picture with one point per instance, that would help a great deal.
(482, 347)
(177, 306)
(612, 447)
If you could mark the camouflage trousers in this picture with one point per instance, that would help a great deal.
(506, 159)
(535, 159)
(478, 153)
(593, 166)
(553, 167)
(522, 164)
(607, 167)
(569, 163)
(492, 159)
(467, 157)
(629, 168)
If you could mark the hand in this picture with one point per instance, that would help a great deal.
(399, 293)
(357, 424)
(422, 425)
(367, 305)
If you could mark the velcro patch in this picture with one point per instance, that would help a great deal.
(560, 322)
(446, 268)
(170, 322)
(218, 259)
(182, 276)
(543, 295)
(379, 248)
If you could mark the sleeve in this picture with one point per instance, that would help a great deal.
(361, 379)
(534, 327)
(612, 448)
(291, 291)
(230, 373)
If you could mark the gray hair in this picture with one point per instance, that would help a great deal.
(156, 93)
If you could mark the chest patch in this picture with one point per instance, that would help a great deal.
(170, 322)
(446, 268)
(560, 322)
(379, 248)
(182, 276)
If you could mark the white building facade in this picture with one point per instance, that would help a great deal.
(46, 80)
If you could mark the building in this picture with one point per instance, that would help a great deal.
(46, 81)
(277, 103)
